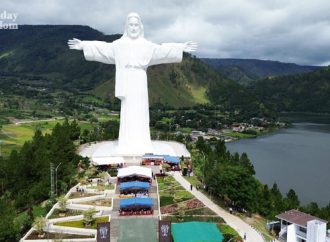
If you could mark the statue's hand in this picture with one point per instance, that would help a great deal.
(190, 46)
(75, 44)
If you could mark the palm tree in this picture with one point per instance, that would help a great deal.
(39, 224)
(89, 216)
(62, 200)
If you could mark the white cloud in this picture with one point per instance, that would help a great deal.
(286, 30)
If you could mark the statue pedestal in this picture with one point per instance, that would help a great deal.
(106, 152)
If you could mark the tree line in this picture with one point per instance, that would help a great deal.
(230, 177)
(25, 177)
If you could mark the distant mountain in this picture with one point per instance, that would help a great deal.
(35, 63)
(307, 92)
(247, 70)
(42, 52)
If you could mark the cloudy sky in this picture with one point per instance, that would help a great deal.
(285, 30)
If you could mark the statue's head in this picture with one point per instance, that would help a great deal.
(133, 27)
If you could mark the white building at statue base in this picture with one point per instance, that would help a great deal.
(106, 152)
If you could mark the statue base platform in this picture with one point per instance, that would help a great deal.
(105, 152)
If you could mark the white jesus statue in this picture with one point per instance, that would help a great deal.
(133, 54)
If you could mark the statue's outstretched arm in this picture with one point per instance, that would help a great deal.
(99, 51)
(75, 44)
(190, 46)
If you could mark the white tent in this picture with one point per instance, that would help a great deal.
(98, 161)
(134, 170)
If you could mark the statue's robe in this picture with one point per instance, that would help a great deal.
(132, 58)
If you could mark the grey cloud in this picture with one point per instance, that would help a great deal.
(285, 30)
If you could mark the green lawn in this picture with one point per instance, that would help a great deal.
(80, 224)
(13, 136)
(240, 135)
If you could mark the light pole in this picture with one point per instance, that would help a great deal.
(56, 177)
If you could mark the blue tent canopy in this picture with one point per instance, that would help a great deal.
(129, 202)
(172, 159)
(134, 184)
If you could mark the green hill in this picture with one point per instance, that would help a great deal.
(308, 92)
(39, 74)
(177, 85)
(247, 70)
(41, 52)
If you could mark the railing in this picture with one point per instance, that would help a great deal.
(283, 231)
(301, 234)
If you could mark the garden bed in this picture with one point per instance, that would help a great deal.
(69, 212)
(186, 205)
(171, 192)
(102, 187)
(58, 236)
(100, 202)
(174, 197)
(80, 223)
(82, 194)
(167, 182)
(197, 211)
(188, 218)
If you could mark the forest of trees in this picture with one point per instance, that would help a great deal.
(25, 178)
(308, 92)
(25, 182)
(231, 178)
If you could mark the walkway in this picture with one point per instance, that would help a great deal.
(236, 223)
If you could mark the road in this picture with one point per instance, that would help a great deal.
(233, 221)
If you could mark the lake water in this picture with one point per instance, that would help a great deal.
(297, 157)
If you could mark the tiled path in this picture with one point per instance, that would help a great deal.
(235, 222)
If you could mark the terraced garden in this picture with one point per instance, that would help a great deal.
(69, 212)
(179, 205)
(81, 224)
(171, 192)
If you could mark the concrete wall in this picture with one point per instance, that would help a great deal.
(291, 233)
(316, 231)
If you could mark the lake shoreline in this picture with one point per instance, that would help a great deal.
(294, 157)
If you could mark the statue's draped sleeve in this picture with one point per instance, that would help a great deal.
(99, 51)
(167, 53)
